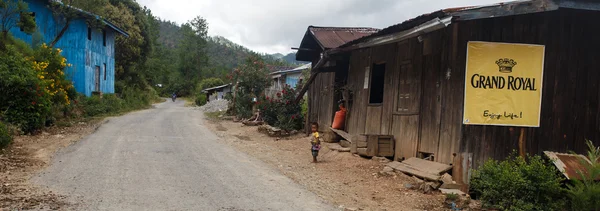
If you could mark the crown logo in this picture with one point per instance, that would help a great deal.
(506, 65)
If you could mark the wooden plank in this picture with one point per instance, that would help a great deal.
(343, 134)
(361, 144)
(431, 106)
(452, 99)
(411, 171)
(428, 166)
(405, 130)
(461, 169)
(372, 145)
(353, 148)
(373, 120)
(362, 151)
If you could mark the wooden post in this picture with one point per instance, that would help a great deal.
(522, 143)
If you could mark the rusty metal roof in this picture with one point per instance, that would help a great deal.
(571, 165)
(333, 37)
(486, 11)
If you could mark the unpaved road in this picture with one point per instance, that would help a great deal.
(166, 159)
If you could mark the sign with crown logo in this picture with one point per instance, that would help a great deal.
(503, 84)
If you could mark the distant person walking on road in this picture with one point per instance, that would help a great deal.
(316, 141)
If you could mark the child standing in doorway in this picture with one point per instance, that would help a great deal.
(316, 141)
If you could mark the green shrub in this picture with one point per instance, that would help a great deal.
(519, 184)
(5, 137)
(200, 99)
(585, 194)
(210, 82)
(109, 104)
(281, 111)
(24, 101)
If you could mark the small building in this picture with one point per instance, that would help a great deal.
(281, 78)
(417, 81)
(217, 92)
(321, 97)
(90, 51)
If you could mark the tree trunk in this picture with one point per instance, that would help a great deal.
(60, 34)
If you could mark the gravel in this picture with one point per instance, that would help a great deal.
(215, 105)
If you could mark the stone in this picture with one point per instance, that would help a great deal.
(215, 106)
(409, 186)
(446, 179)
(388, 169)
(345, 143)
(380, 159)
(452, 191)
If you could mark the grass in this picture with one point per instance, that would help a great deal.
(189, 102)
(214, 115)
(451, 196)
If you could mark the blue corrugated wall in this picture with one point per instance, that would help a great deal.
(83, 54)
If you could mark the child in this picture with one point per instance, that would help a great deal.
(316, 141)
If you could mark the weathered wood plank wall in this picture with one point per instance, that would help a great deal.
(570, 108)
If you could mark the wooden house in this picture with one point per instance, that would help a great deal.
(409, 80)
(90, 50)
(281, 78)
(322, 99)
(217, 92)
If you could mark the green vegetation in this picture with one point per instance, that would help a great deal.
(210, 82)
(519, 184)
(452, 196)
(281, 111)
(200, 99)
(214, 115)
(585, 194)
(5, 138)
(110, 104)
(252, 79)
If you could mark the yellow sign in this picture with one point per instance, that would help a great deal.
(503, 84)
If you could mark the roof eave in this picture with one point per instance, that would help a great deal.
(114, 27)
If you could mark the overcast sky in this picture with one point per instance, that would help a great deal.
(274, 26)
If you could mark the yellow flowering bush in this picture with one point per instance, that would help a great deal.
(50, 66)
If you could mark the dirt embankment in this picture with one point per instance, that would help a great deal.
(26, 157)
(341, 178)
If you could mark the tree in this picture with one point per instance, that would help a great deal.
(191, 51)
(210, 82)
(15, 13)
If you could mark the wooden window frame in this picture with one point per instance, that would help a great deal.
(371, 69)
(104, 37)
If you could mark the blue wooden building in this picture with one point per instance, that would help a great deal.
(90, 50)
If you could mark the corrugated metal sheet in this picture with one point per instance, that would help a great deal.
(486, 11)
(333, 37)
(569, 164)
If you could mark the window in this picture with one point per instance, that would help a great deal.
(89, 33)
(105, 71)
(377, 82)
(104, 37)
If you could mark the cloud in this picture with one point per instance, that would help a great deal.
(272, 26)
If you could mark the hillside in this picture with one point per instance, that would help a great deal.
(223, 54)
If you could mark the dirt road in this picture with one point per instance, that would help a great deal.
(165, 159)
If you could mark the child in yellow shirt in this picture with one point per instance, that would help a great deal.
(316, 141)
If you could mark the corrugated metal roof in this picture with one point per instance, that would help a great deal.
(297, 69)
(333, 37)
(217, 87)
(571, 165)
(92, 15)
(486, 11)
